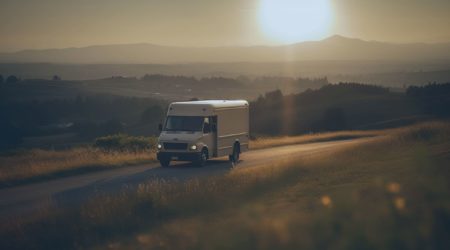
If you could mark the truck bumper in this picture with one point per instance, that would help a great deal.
(178, 156)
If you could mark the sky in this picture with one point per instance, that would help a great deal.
(40, 24)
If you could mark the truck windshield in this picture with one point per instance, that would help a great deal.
(184, 123)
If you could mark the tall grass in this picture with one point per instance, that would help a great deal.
(266, 142)
(41, 164)
(391, 193)
(119, 150)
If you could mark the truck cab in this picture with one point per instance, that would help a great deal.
(199, 130)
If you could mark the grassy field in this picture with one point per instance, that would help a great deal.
(267, 142)
(390, 193)
(38, 164)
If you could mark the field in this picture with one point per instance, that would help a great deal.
(267, 142)
(39, 165)
(390, 192)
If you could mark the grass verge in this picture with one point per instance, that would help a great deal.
(389, 193)
(39, 165)
(267, 142)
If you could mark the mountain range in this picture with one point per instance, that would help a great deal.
(333, 48)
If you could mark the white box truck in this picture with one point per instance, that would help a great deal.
(199, 130)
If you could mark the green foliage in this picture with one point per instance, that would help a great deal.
(90, 116)
(333, 107)
(433, 98)
(123, 142)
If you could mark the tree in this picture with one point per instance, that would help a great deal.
(1, 79)
(274, 96)
(12, 79)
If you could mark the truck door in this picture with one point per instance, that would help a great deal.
(209, 136)
(213, 120)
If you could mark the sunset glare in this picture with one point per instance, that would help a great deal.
(289, 21)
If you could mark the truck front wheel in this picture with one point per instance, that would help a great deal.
(203, 157)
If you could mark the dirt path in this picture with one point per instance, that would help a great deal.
(74, 190)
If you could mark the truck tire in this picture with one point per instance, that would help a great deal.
(165, 162)
(203, 157)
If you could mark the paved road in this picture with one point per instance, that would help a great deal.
(74, 190)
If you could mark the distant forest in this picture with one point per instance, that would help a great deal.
(48, 108)
(347, 106)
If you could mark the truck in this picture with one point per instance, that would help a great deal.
(200, 130)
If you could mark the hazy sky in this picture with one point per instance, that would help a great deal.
(33, 24)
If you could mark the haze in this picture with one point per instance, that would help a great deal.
(27, 24)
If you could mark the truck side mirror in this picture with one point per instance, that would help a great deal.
(206, 128)
(160, 127)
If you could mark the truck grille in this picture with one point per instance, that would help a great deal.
(176, 146)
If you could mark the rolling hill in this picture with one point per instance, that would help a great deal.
(332, 48)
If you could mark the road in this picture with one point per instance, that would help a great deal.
(70, 191)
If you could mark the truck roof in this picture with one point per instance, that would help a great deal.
(215, 103)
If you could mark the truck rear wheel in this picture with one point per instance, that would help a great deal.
(165, 162)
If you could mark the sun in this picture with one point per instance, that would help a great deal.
(289, 21)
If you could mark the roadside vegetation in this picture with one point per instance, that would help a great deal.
(105, 153)
(120, 150)
(274, 141)
(389, 192)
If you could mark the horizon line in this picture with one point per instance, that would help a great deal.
(225, 46)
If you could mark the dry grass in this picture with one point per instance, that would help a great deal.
(267, 142)
(37, 164)
(390, 192)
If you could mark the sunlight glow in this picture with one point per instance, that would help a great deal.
(289, 21)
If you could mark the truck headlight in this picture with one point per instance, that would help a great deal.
(159, 146)
(194, 147)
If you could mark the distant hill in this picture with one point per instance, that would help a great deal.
(333, 48)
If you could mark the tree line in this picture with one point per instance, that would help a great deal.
(345, 106)
(332, 107)
(86, 116)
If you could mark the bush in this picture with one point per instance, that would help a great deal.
(122, 142)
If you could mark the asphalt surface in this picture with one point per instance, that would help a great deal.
(74, 190)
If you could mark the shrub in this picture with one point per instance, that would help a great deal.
(123, 142)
